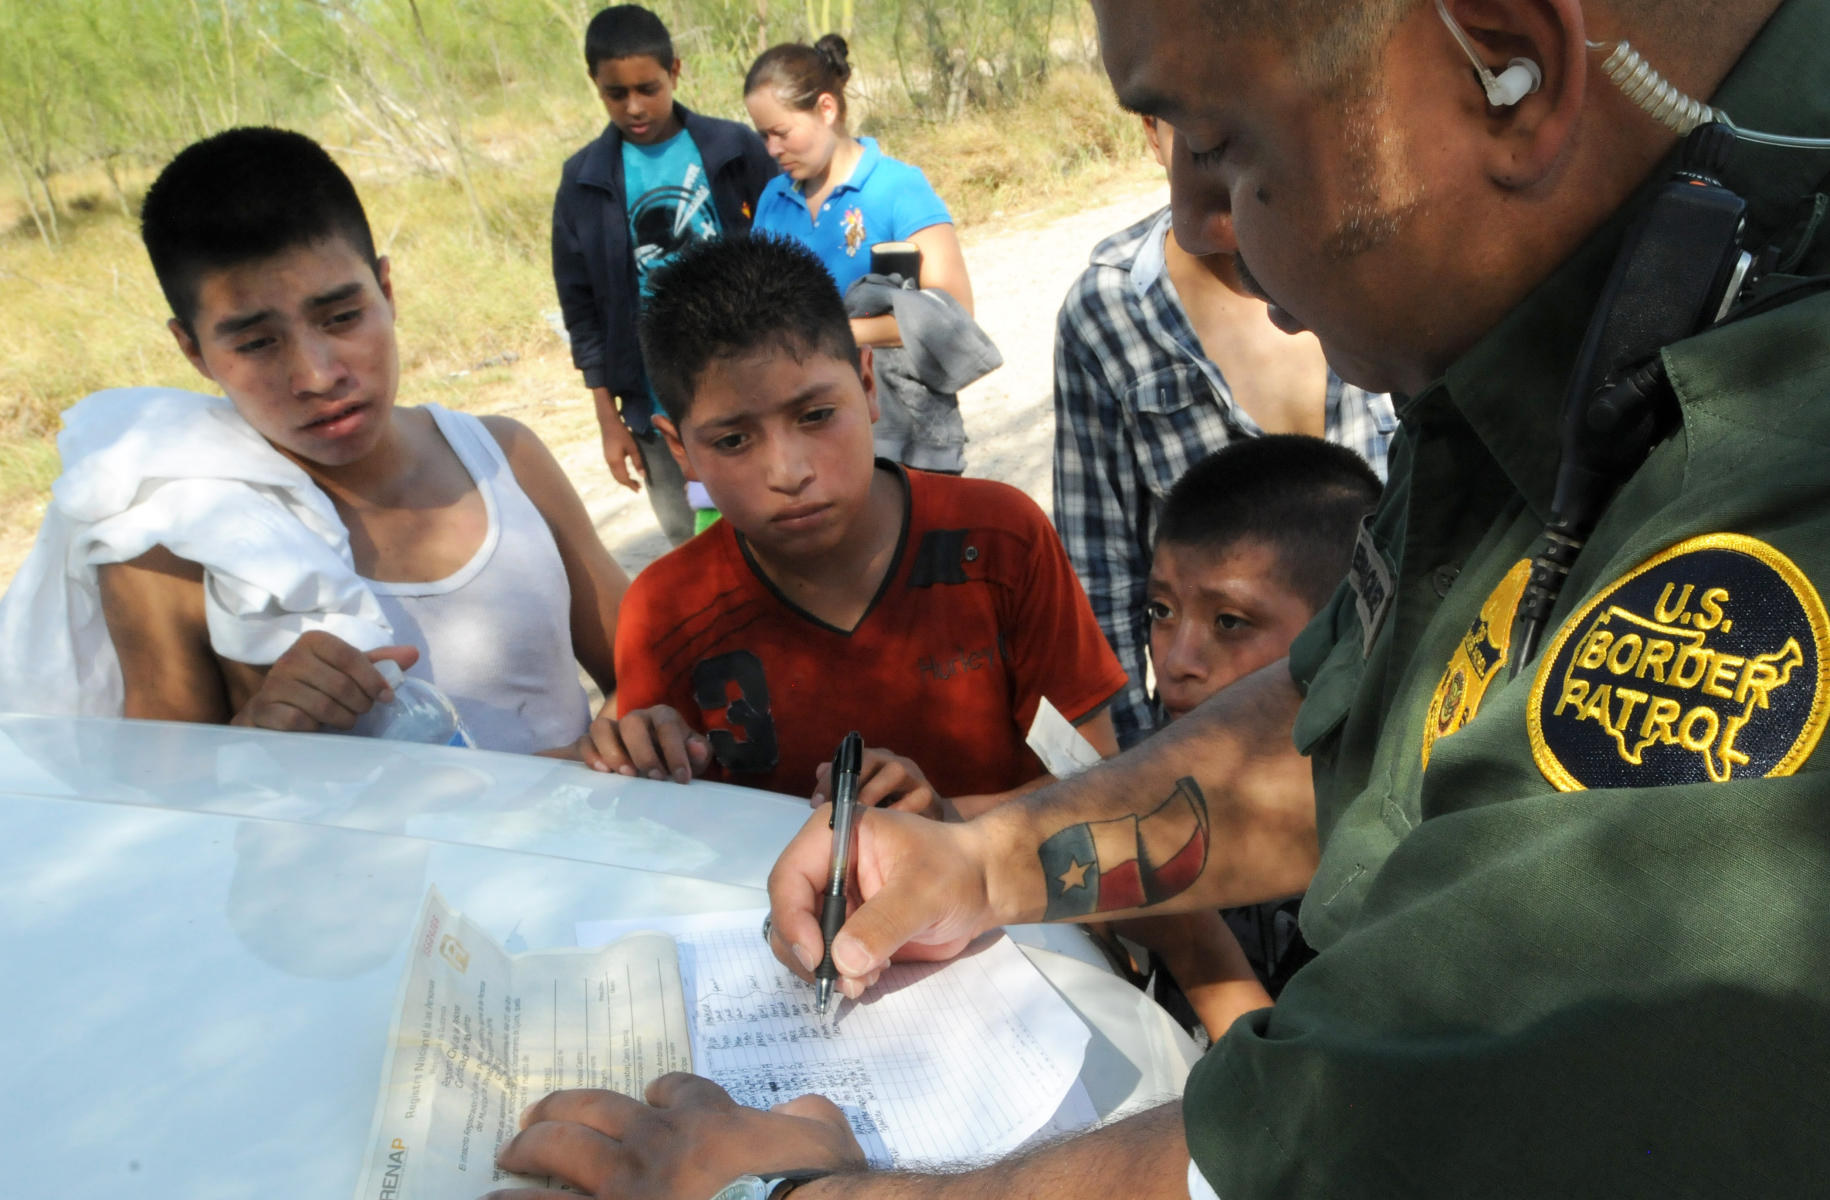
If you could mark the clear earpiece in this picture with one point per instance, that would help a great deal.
(1520, 79)
(1633, 75)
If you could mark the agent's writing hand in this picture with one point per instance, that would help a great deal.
(923, 892)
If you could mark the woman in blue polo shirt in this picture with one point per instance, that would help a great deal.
(838, 194)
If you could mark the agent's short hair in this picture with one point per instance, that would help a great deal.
(1334, 41)
(727, 297)
(243, 195)
(627, 31)
(1301, 496)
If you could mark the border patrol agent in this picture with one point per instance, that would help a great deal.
(1603, 882)
(1572, 920)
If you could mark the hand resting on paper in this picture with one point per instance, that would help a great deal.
(688, 1140)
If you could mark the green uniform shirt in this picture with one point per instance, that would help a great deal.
(1613, 991)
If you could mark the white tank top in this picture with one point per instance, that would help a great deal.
(502, 623)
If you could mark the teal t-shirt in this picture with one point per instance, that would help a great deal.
(669, 201)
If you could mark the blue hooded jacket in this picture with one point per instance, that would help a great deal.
(593, 266)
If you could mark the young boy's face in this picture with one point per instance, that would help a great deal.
(1217, 616)
(783, 447)
(638, 93)
(302, 344)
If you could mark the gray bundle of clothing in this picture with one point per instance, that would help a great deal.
(918, 383)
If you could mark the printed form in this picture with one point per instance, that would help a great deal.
(479, 1034)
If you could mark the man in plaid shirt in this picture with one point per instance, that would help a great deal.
(1139, 400)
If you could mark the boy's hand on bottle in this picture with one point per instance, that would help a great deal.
(321, 682)
(655, 743)
(885, 780)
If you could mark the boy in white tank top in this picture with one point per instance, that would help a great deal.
(264, 253)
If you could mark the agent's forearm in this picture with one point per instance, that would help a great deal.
(1145, 1157)
(1216, 810)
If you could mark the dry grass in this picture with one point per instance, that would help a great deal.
(1065, 142)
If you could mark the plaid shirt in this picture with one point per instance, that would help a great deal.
(1136, 405)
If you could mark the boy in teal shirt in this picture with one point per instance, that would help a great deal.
(659, 178)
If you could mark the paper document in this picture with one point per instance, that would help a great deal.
(1060, 746)
(942, 1063)
(479, 1034)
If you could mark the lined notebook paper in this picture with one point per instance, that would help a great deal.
(941, 1063)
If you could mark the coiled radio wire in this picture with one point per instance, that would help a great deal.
(1640, 81)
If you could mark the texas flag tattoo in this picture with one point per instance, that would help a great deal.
(1127, 862)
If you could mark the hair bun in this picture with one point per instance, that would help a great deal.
(837, 53)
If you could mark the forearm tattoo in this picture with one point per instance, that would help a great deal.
(1129, 861)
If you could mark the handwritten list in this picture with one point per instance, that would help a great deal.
(942, 1062)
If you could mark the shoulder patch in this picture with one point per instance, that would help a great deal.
(1477, 660)
(1708, 662)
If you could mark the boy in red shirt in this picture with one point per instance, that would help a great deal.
(839, 592)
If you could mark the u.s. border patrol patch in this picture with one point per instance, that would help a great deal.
(1708, 662)
(1477, 660)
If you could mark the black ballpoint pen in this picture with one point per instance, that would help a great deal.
(845, 767)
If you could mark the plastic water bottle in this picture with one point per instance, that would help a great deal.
(419, 713)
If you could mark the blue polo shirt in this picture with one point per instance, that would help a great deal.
(883, 201)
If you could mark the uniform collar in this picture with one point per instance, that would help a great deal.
(1510, 386)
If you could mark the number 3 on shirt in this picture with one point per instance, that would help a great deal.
(733, 697)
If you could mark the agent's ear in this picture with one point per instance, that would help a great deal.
(1522, 142)
(867, 375)
(673, 74)
(670, 433)
(828, 107)
(188, 344)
